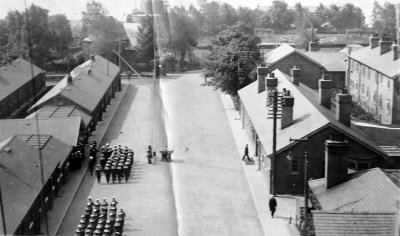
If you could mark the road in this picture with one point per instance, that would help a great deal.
(203, 191)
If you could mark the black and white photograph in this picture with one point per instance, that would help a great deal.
(200, 117)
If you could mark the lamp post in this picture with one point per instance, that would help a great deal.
(290, 157)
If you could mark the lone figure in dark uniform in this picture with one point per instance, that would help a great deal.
(92, 162)
(246, 153)
(272, 205)
(98, 173)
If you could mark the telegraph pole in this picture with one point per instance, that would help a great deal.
(275, 113)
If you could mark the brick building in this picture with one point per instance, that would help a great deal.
(20, 84)
(373, 79)
(89, 87)
(303, 116)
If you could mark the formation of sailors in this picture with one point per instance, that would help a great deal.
(116, 163)
(101, 219)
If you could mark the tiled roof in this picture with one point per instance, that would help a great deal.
(64, 129)
(20, 174)
(312, 96)
(382, 63)
(87, 89)
(308, 116)
(14, 75)
(282, 52)
(328, 223)
(279, 53)
(331, 61)
(370, 190)
(61, 111)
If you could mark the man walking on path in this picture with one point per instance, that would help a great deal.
(246, 153)
(272, 205)
(92, 162)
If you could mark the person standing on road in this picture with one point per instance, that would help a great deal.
(272, 205)
(98, 173)
(246, 153)
(92, 162)
(107, 172)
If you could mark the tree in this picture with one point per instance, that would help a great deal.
(233, 56)
(60, 34)
(105, 29)
(197, 18)
(384, 19)
(183, 33)
(145, 40)
(228, 15)
(278, 16)
(210, 11)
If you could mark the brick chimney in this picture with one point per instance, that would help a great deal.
(270, 83)
(325, 86)
(69, 79)
(336, 162)
(343, 110)
(287, 110)
(295, 73)
(373, 41)
(262, 72)
(313, 46)
(395, 51)
(384, 46)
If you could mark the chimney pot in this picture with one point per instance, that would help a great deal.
(92, 58)
(270, 83)
(395, 50)
(325, 87)
(374, 41)
(343, 110)
(384, 46)
(261, 74)
(69, 79)
(295, 72)
(312, 46)
(287, 110)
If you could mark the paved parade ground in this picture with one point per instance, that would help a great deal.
(203, 191)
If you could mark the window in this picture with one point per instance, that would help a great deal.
(376, 77)
(294, 166)
(368, 93)
(380, 101)
(369, 73)
(381, 77)
(388, 83)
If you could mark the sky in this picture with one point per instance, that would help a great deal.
(120, 8)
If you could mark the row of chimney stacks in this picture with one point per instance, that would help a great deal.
(385, 45)
(268, 82)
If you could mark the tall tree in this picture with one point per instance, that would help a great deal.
(211, 15)
(60, 33)
(228, 15)
(278, 16)
(234, 52)
(106, 30)
(183, 33)
(384, 19)
(145, 40)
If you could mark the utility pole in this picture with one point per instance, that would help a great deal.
(275, 113)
